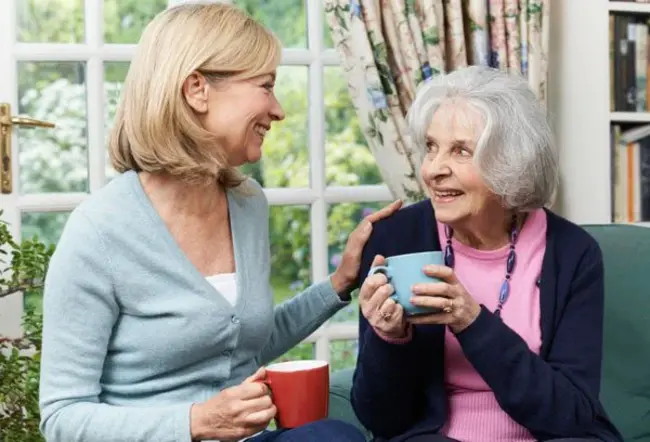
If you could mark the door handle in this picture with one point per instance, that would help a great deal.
(7, 122)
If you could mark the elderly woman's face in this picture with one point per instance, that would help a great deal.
(455, 186)
(240, 113)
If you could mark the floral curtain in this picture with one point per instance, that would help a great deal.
(388, 47)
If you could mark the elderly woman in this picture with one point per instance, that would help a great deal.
(158, 312)
(514, 353)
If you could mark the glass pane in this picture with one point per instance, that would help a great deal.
(301, 351)
(285, 158)
(348, 159)
(114, 75)
(53, 160)
(124, 21)
(50, 21)
(47, 226)
(287, 19)
(327, 35)
(343, 354)
(341, 220)
(289, 229)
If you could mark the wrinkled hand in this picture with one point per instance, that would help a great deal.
(235, 412)
(345, 276)
(448, 294)
(384, 315)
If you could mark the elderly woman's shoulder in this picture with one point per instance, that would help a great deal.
(569, 233)
(418, 214)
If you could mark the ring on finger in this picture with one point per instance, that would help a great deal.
(385, 316)
(449, 307)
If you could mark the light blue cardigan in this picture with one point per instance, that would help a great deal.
(133, 334)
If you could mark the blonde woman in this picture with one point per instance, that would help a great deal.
(158, 314)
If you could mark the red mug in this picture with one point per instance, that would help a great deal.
(300, 391)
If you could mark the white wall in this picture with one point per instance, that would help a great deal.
(579, 106)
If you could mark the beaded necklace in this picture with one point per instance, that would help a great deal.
(504, 292)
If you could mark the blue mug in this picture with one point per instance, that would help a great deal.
(403, 272)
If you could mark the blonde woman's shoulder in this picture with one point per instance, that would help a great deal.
(250, 192)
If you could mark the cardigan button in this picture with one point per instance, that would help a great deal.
(227, 353)
(234, 319)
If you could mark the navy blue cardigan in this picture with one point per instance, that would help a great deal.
(398, 389)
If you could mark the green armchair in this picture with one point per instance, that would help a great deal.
(625, 390)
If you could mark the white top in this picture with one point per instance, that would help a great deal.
(226, 284)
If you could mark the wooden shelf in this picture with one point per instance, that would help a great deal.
(640, 8)
(630, 117)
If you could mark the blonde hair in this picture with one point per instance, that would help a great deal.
(155, 129)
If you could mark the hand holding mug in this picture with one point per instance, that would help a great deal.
(459, 308)
(383, 314)
(235, 412)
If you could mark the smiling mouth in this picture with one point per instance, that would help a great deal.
(446, 196)
(261, 130)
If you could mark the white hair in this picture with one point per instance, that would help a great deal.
(515, 154)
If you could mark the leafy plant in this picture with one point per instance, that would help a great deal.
(22, 270)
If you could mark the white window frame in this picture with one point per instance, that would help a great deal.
(94, 53)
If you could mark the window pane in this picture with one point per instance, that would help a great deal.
(300, 352)
(341, 220)
(349, 161)
(285, 158)
(53, 160)
(50, 21)
(343, 354)
(114, 75)
(47, 226)
(289, 229)
(327, 35)
(124, 21)
(287, 19)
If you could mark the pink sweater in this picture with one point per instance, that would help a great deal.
(474, 414)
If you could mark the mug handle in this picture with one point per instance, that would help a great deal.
(386, 271)
(380, 269)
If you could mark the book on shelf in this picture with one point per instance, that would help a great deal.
(630, 173)
(629, 63)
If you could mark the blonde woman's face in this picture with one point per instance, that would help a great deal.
(240, 113)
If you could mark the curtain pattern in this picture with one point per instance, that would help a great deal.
(388, 47)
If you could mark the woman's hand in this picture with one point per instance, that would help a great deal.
(346, 274)
(383, 314)
(461, 308)
(235, 412)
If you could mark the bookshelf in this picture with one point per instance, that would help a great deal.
(629, 88)
(629, 117)
(641, 8)
(579, 105)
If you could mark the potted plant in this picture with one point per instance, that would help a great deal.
(23, 265)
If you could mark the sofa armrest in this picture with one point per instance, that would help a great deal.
(340, 407)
